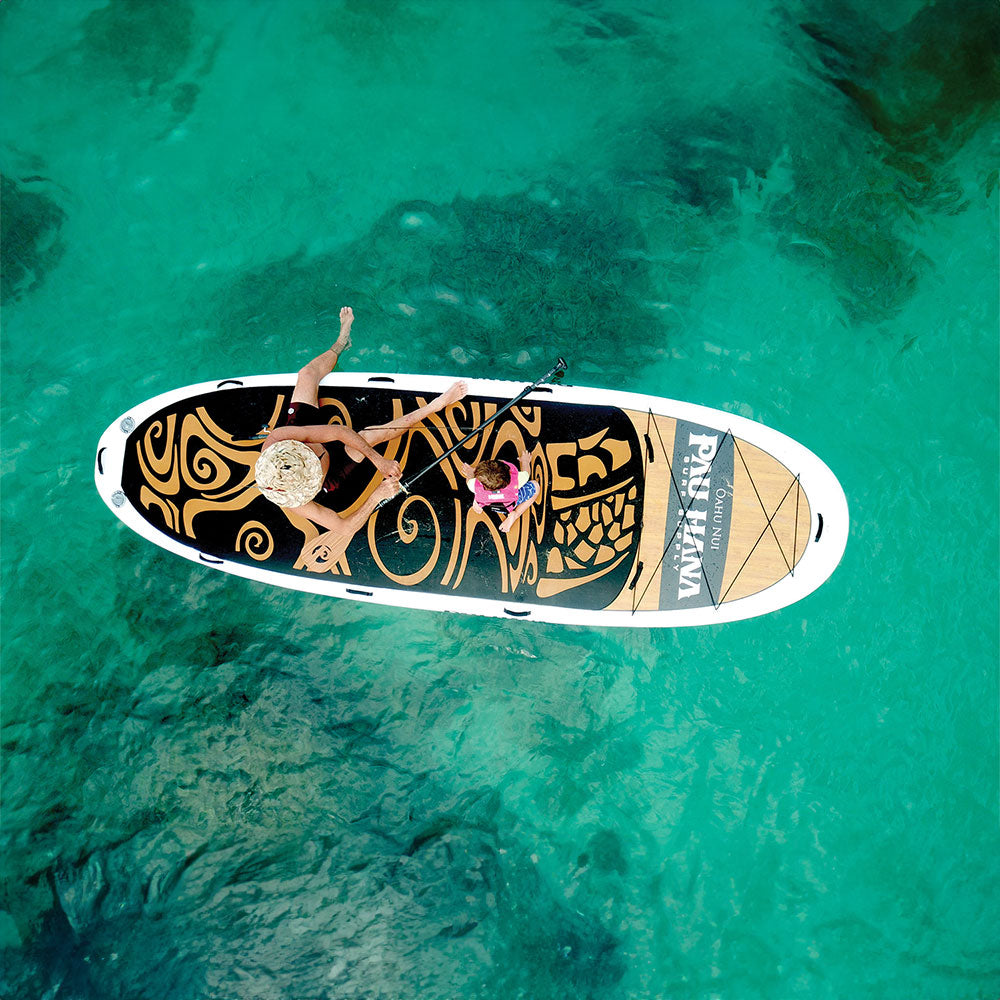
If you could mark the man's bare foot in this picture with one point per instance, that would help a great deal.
(346, 319)
(458, 391)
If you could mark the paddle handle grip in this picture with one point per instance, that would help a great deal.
(382, 503)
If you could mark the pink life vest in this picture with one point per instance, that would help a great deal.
(507, 496)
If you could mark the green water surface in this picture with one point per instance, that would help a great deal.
(216, 789)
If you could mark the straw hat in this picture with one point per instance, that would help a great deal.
(289, 473)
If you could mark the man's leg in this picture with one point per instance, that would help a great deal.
(310, 376)
(380, 433)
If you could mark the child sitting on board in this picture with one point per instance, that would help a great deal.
(503, 483)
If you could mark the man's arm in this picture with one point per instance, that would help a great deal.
(327, 548)
(349, 526)
(323, 433)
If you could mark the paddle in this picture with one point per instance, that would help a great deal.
(554, 372)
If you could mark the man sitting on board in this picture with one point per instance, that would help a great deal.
(306, 460)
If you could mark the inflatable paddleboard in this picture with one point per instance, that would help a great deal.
(652, 512)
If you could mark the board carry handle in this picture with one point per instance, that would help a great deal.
(554, 372)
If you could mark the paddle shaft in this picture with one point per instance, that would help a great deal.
(559, 366)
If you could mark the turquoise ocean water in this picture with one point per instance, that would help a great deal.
(215, 789)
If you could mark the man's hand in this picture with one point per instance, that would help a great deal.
(386, 490)
(467, 470)
(525, 461)
(390, 470)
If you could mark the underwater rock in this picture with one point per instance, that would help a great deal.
(491, 276)
(146, 44)
(840, 180)
(590, 27)
(605, 850)
(921, 91)
(568, 949)
(316, 900)
(383, 37)
(924, 87)
(184, 99)
(301, 836)
(696, 158)
(729, 169)
(30, 246)
(417, 220)
(146, 49)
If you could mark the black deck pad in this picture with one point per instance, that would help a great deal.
(189, 471)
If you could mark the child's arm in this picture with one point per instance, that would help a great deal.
(518, 511)
(470, 475)
(520, 508)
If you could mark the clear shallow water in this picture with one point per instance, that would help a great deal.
(214, 789)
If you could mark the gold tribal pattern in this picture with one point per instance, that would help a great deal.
(193, 478)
